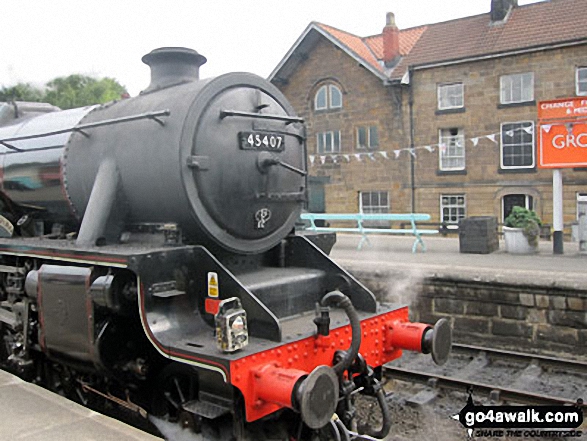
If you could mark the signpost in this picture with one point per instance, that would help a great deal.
(563, 144)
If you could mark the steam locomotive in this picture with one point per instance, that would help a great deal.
(148, 258)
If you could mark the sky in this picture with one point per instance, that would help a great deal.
(42, 40)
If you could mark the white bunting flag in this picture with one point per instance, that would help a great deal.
(312, 159)
(547, 127)
(492, 137)
(322, 159)
(429, 148)
(396, 153)
(529, 130)
(475, 141)
(384, 154)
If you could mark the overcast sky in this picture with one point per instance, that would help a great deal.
(44, 39)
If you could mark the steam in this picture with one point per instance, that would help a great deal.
(403, 287)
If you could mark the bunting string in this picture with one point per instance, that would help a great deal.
(372, 155)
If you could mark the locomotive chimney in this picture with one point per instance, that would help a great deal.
(171, 66)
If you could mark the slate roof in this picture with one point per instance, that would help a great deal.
(536, 26)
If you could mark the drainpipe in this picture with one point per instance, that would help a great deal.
(412, 145)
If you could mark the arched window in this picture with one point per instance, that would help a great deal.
(510, 201)
(328, 97)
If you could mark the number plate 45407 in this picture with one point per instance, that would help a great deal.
(273, 142)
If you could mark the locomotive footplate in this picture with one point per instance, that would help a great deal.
(286, 358)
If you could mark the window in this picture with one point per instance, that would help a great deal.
(450, 96)
(320, 100)
(517, 88)
(452, 150)
(581, 204)
(582, 81)
(516, 200)
(372, 202)
(335, 97)
(328, 97)
(452, 208)
(328, 142)
(367, 137)
(517, 145)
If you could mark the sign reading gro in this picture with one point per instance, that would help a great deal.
(563, 133)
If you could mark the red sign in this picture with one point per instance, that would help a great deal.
(563, 133)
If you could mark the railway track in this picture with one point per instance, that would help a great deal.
(498, 375)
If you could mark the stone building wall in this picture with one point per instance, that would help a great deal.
(483, 182)
(367, 101)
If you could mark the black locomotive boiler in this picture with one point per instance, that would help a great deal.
(149, 258)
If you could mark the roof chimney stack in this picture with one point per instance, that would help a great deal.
(390, 41)
(500, 9)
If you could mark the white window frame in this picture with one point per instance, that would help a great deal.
(449, 92)
(375, 209)
(329, 90)
(369, 135)
(323, 90)
(332, 87)
(328, 149)
(509, 83)
(581, 84)
(453, 206)
(515, 130)
(454, 148)
(581, 197)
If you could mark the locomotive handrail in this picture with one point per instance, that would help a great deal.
(155, 115)
(286, 119)
(359, 218)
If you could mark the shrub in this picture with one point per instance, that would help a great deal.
(528, 220)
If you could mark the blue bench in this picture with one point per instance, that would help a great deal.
(359, 218)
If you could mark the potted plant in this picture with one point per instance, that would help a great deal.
(522, 231)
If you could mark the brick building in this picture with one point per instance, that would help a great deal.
(440, 118)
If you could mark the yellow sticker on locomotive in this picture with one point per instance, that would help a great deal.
(6, 228)
(213, 290)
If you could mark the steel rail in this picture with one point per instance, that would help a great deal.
(496, 392)
(464, 385)
(543, 360)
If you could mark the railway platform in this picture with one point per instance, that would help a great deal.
(31, 413)
(443, 257)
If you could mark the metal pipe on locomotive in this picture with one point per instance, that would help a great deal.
(149, 256)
